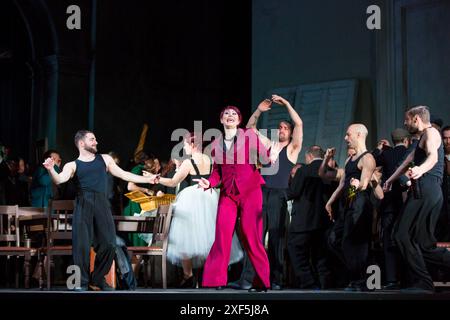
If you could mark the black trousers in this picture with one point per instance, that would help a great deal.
(274, 222)
(414, 233)
(390, 209)
(308, 254)
(357, 236)
(93, 225)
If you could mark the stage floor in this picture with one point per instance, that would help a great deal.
(226, 294)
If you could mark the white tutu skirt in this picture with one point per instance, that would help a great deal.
(193, 228)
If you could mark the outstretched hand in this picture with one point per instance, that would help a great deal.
(202, 183)
(49, 163)
(153, 178)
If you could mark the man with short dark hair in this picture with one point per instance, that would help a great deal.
(443, 226)
(389, 159)
(414, 231)
(92, 223)
(307, 231)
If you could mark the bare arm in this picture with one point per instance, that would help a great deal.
(336, 194)
(116, 171)
(368, 167)
(297, 133)
(179, 176)
(67, 172)
(324, 172)
(262, 107)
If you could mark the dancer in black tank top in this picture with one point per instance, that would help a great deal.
(92, 223)
(353, 190)
(276, 176)
(414, 231)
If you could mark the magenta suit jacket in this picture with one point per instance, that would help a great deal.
(237, 166)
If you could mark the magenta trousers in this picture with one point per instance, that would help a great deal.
(250, 208)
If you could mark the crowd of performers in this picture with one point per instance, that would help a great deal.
(316, 218)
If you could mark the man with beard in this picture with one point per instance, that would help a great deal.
(290, 137)
(358, 209)
(92, 218)
(414, 232)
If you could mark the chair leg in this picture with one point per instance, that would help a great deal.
(145, 258)
(27, 270)
(16, 267)
(41, 270)
(164, 271)
(48, 271)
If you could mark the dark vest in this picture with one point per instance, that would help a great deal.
(280, 180)
(92, 176)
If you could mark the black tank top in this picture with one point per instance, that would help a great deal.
(91, 176)
(280, 180)
(420, 156)
(197, 175)
(352, 170)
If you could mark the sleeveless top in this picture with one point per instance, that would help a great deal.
(352, 170)
(420, 156)
(280, 180)
(197, 175)
(91, 176)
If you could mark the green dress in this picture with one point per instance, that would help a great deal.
(134, 207)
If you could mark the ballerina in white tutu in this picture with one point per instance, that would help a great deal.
(192, 231)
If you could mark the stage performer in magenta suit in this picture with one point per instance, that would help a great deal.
(234, 155)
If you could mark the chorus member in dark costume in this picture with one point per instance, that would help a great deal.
(443, 230)
(307, 240)
(235, 166)
(290, 136)
(389, 159)
(414, 231)
(193, 225)
(92, 223)
(358, 209)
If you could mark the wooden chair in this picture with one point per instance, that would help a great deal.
(159, 244)
(59, 229)
(10, 241)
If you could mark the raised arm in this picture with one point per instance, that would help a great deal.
(297, 133)
(66, 173)
(263, 106)
(116, 171)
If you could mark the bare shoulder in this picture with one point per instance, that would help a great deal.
(107, 158)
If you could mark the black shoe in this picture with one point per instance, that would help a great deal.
(80, 289)
(188, 283)
(354, 287)
(417, 290)
(391, 286)
(101, 287)
(276, 286)
(240, 285)
(257, 289)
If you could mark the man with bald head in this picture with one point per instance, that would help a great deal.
(353, 191)
(414, 231)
